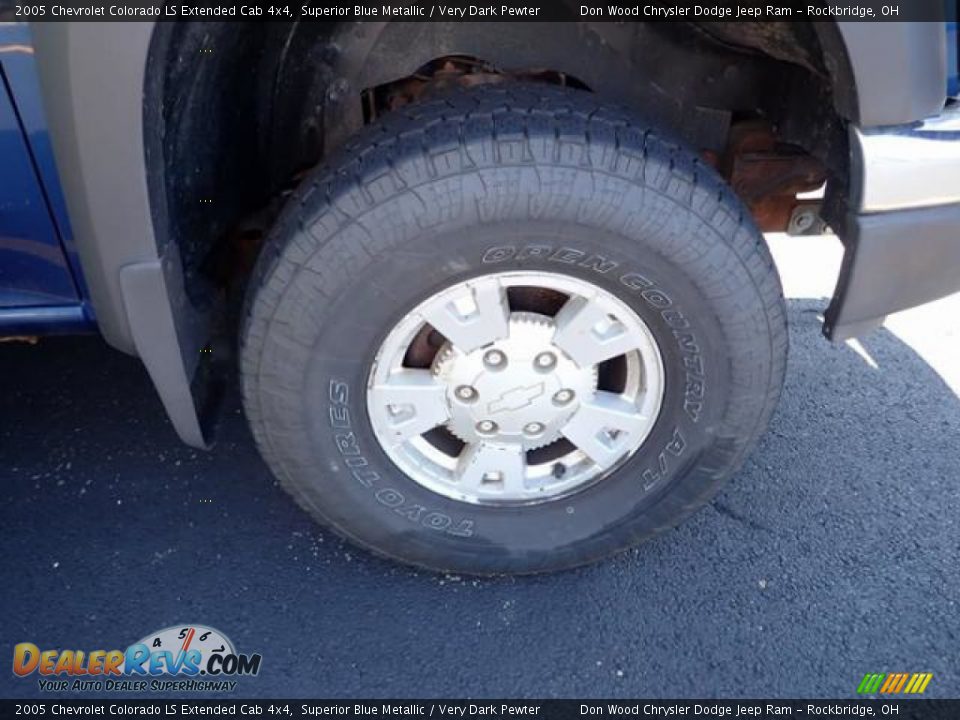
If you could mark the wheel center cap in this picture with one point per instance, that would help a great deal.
(518, 390)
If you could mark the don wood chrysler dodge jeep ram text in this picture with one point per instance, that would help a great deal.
(497, 294)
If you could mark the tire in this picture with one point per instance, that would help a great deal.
(504, 179)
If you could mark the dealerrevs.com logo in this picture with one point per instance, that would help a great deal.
(179, 658)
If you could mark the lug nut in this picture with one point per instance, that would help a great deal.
(494, 359)
(533, 428)
(545, 360)
(562, 397)
(466, 393)
(486, 427)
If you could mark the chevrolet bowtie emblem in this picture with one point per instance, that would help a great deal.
(516, 398)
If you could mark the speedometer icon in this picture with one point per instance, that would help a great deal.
(178, 640)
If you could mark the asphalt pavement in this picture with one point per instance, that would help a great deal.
(833, 553)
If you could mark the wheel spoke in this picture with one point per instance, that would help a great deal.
(473, 319)
(589, 334)
(603, 428)
(490, 465)
(413, 402)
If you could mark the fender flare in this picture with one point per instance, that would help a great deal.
(896, 72)
(92, 77)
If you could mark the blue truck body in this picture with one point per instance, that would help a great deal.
(953, 62)
(41, 281)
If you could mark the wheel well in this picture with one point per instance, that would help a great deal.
(235, 113)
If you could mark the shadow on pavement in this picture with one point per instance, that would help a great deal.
(833, 553)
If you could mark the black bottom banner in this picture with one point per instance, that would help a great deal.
(492, 709)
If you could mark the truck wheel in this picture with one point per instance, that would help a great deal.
(510, 329)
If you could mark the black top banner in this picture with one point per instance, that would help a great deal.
(487, 709)
(459, 11)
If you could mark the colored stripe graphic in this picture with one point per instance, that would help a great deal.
(894, 683)
(870, 683)
(918, 683)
